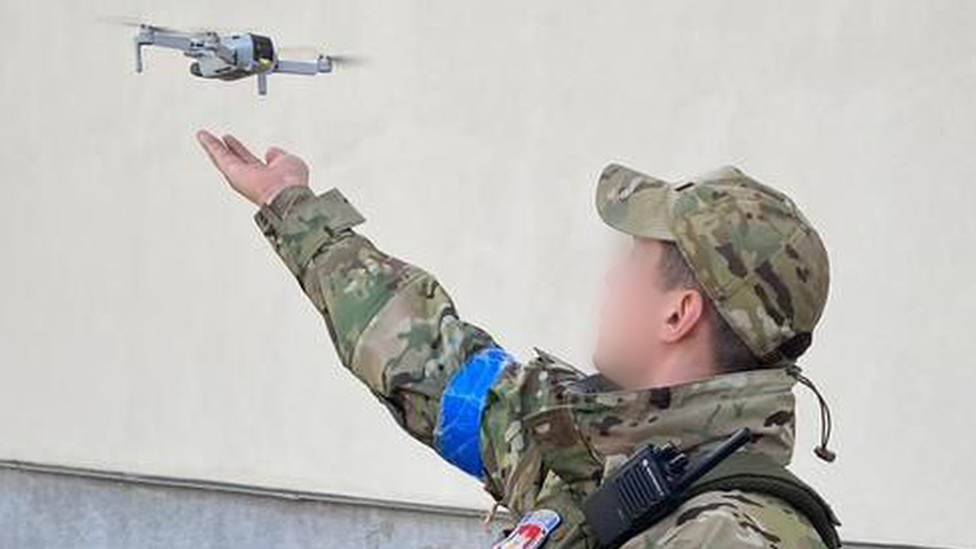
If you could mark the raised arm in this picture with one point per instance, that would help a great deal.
(392, 323)
(447, 382)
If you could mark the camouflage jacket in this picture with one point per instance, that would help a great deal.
(547, 432)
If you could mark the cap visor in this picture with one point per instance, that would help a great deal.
(634, 202)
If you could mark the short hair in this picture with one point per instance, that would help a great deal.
(729, 352)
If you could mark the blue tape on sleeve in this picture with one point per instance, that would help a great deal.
(457, 435)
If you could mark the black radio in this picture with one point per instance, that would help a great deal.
(645, 488)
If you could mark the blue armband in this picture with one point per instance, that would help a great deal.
(457, 436)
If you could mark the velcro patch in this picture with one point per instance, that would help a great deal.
(531, 531)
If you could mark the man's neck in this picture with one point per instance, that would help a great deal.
(677, 368)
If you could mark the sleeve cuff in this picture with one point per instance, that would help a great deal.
(297, 223)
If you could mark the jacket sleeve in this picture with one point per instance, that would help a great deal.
(397, 330)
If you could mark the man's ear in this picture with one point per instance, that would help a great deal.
(687, 309)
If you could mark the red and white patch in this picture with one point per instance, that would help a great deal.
(531, 531)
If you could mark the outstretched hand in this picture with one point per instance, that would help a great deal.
(256, 180)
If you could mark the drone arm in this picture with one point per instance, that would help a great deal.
(172, 41)
(154, 38)
(323, 64)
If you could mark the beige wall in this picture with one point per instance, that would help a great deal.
(147, 326)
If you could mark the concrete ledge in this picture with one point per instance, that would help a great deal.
(45, 506)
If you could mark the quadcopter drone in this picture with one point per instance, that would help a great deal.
(227, 57)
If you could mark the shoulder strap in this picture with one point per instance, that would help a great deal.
(755, 472)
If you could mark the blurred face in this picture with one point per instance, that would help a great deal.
(639, 322)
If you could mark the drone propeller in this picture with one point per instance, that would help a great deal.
(132, 22)
(126, 21)
(348, 60)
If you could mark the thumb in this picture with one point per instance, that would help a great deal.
(273, 153)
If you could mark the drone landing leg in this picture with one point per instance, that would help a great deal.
(138, 57)
(262, 84)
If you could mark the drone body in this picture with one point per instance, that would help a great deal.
(227, 57)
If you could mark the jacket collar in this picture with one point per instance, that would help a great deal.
(611, 424)
(694, 416)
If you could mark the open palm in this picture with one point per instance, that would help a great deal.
(258, 181)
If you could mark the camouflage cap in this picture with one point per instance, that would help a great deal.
(757, 257)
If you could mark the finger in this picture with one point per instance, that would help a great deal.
(240, 150)
(273, 152)
(222, 158)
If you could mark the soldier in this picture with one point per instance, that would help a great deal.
(701, 327)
